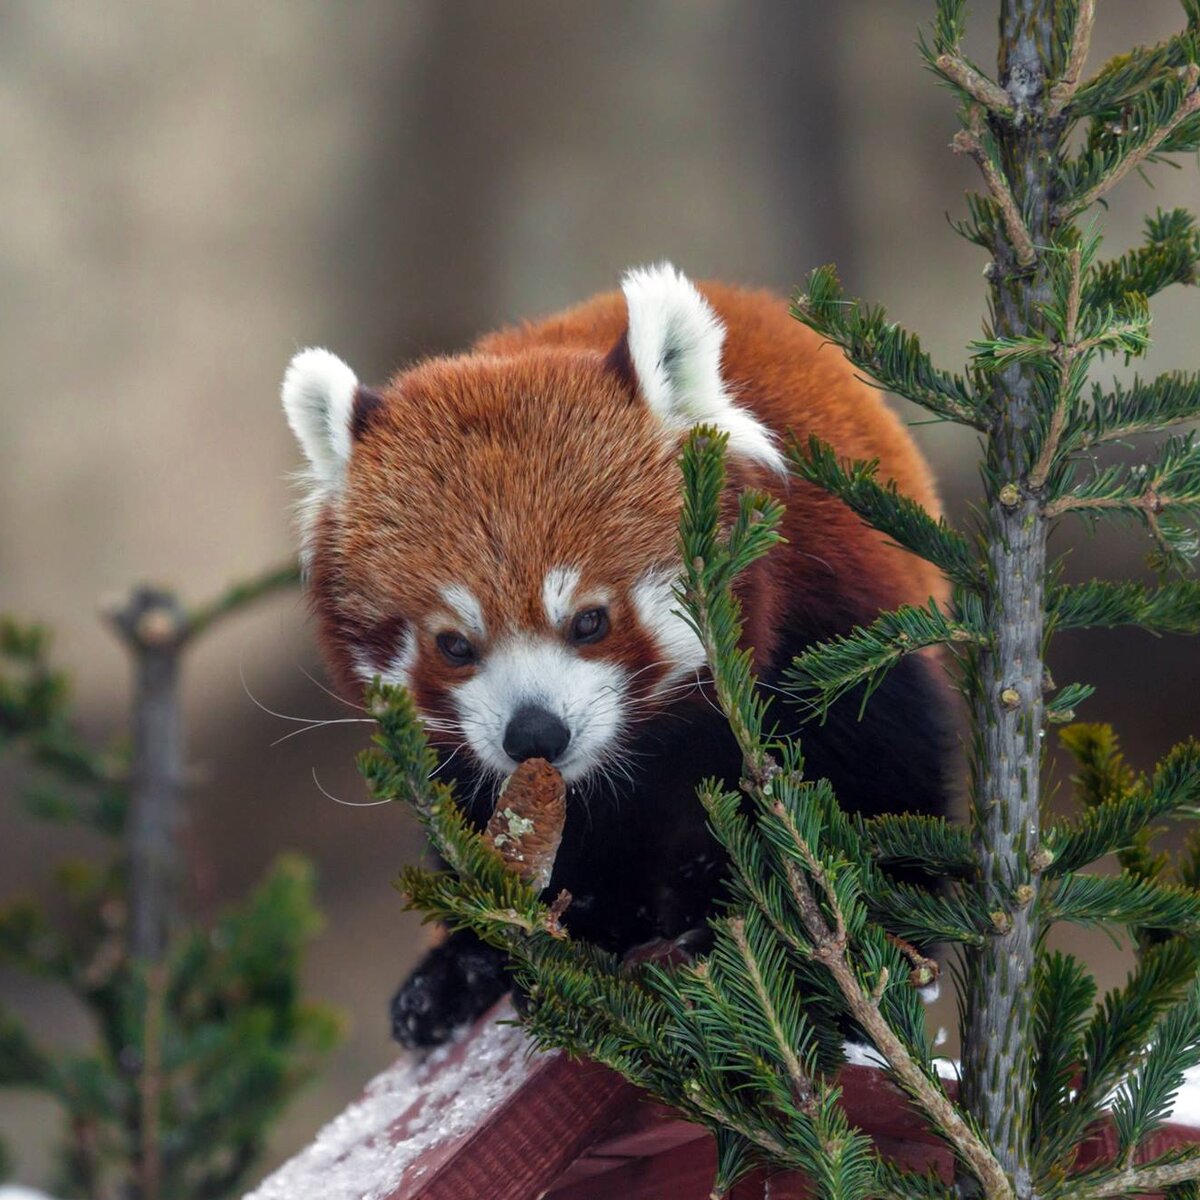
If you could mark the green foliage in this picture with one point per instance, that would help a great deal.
(1121, 809)
(818, 936)
(1125, 77)
(914, 839)
(1114, 140)
(1172, 608)
(882, 350)
(1171, 254)
(882, 506)
(1144, 1100)
(194, 1057)
(860, 660)
(731, 1041)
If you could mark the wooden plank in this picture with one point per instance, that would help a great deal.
(529, 1141)
(486, 1119)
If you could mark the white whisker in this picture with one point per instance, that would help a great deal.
(347, 803)
(321, 724)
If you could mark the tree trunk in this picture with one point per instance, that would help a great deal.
(1007, 680)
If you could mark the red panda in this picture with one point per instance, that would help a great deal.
(497, 531)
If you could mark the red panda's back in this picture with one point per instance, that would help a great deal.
(786, 374)
(797, 384)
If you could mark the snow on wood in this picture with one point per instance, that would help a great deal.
(369, 1151)
(485, 1118)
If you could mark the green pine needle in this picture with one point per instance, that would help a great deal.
(860, 660)
(885, 508)
(1172, 608)
(882, 350)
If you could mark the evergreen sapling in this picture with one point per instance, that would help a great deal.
(817, 936)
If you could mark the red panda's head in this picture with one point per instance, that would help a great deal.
(498, 533)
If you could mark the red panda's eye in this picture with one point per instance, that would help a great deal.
(456, 649)
(589, 626)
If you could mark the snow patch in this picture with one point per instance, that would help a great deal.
(431, 1101)
(1184, 1111)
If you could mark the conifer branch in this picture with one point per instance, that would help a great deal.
(827, 671)
(884, 507)
(971, 142)
(1162, 495)
(1170, 608)
(1081, 39)
(830, 949)
(241, 595)
(1066, 352)
(879, 348)
(1151, 1178)
(1151, 121)
(937, 845)
(1124, 900)
(1127, 76)
(1143, 407)
(1142, 1103)
(1120, 806)
(1171, 254)
(802, 1084)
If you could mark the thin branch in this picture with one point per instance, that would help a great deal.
(1062, 92)
(1140, 1180)
(967, 141)
(977, 85)
(1067, 352)
(239, 596)
(830, 949)
(1150, 502)
(802, 1085)
(153, 626)
(150, 1086)
(1135, 158)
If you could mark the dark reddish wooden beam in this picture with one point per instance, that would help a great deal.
(485, 1120)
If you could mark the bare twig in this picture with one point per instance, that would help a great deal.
(1062, 92)
(240, 595)
(968, 141)
(1190, 105)
(154, 628)
(1067, 353)
(977, 85)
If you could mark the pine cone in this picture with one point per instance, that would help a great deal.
(527, 824)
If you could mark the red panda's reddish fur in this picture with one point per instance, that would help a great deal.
(537, 450)
(540, 411)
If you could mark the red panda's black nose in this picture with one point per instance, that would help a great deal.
(534, 732)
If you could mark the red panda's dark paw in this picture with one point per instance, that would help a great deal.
(451, 986)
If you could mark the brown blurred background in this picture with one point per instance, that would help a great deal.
(189, 193)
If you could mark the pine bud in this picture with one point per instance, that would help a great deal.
(527, 824)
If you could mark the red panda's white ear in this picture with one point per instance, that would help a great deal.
(674, 341)
(318, 398)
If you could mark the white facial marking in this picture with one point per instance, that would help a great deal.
(675, 341)
(397, 670)
(558, 592)
(466, 608)
(587, 694)
(659, 610)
